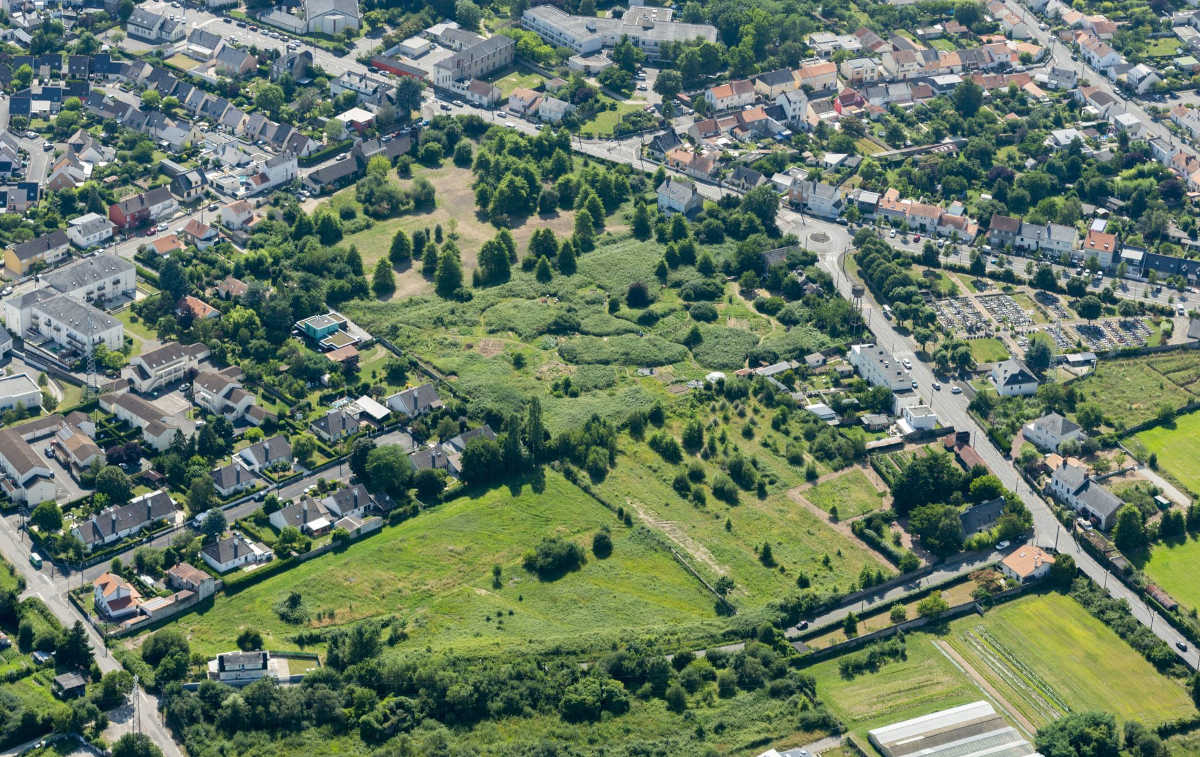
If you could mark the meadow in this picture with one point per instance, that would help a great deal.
(988, 350)
(852, 493)
(1177, 447)
(1131, 390)
(1174, 567)
(434, 573)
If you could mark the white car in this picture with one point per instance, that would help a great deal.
(1002, 544)
(956, 389)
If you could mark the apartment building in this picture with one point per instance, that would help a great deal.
(647, 27)
(878, 366)
(165, 365)
(474, 62)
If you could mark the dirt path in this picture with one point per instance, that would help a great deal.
(1024, 723)
(841, 526)
(693, 548)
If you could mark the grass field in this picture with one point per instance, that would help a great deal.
(514, 79)
(1174, 567)
(1163, 47)
(851, 492)
(988, 350)
(1046, 655)
(867, 147)
(1132, 389)
(435, 573)
(1177, 447)
(942, 44)
(603, 123)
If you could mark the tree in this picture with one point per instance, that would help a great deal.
(932, 606)
(1062, 572)
(135, 745)
(75, 651)
(1080, 734)
(389, 470)
(1040, 353)
(640, 224)
(850, 625)
(967, 97)
(763, 203)
(383, 282)
(493, 262)
(668, 84)
(214, 524)
(408, 96)
(585, 230)
(270, 98)
(47, 517)
(172, 279)
(304, 447)
(637, 295)
(429, 484)
(151, 99)
(401, 250)
(1090, 416)
(112, 482)
(1089, 307)
(1130, 532)
(566, 259)
(602, 545)
(467, 14)
(448, 278)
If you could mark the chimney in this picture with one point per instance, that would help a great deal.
(237, 546)
(113, 515)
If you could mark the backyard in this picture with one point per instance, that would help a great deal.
(988, 350)
(434, 573)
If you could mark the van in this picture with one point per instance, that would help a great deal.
(887, 312)
(35, 560)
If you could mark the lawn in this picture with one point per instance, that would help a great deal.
(867, 147)
(1177, 447)
(942, 44)
(603, 123)
(852, 493)
(515, 79)
(1174, 567)
(134, 325)
(182, 62)
(1047, 655)
(988, 350)
(434, 572)
(1162, 47)
(1131, 390)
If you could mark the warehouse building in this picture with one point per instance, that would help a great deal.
(970, 730)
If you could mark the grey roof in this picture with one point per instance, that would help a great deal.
(1013, 371)
(19, 454)
(84, 318)
(416, 400)
(237, 660)
(202, 38)
(1060, 233)
(1099, 500)
(231, 476)
(1056, 425)
(1072, 477)
(978, 517)
(335, 424)
(140, 512)
(232, 57)
(679, 190)
(314, 8)
(41, 245)
(269, 450)
(348, 498)
(225, 550)
(88, 271)
(483, 432)
(776, 77)
(169, 353)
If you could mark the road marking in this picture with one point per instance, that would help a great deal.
(47, 578)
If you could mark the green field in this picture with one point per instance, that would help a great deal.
(434, 572)
(1046, 655)
(1177, 448)
(1132, 389)
(942, 44)
(1033, 650)
(988, 350)
(1163, 47)
(514, 79)
(1174, 567)
(851, 492)
(603, 123)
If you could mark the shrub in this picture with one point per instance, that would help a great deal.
(553, 558)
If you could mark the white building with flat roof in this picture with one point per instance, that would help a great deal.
(970, 730)
(647, 27)
(18, 390)
(878, 366)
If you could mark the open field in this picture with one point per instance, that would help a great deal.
(988, 350)
(1132, 389)
(1046, 655)
(515, 79)
(434, 572)
(1174, 567)
(852, 493)
(1177, 447)
(1163, 47)
(603, 123)
(955, 594)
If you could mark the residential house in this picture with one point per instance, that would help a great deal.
(158, 428)
(200, 234)
(817, 198)
(239, 668)
(45, 250)
(552, 110)
(162, 366)
(115, 598)
(194, 308)
(1012, 379)
(270, 453)
(1099, 54)
(1048, 432)
(1027, 562)
(795, 107)
(153, 27)
(335, 426)
(89, 230)
(237, 215)
(858, 71)
(676, 195)
(233, 552)
(1072, 485)
(734, 94)
(187, 577)
(119, 521)
(27, 477)
(222, 394)
(415, 401)
(233, 61)
(817, 75)
(523, 101)
(772, 84)
(369, 90)
(308, 515)
(67, 172)
(1101, 246)
(1141, 78)
(142, 208)
(745, 178)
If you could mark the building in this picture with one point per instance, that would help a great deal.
(68, 685)
(334, 426)
(269, 453)
(231, 479)
(18, 390)
(119, 521)
(74, 325)
(1027, 562)
(332, 330)
(970, 730)
(481, 59)
(1072, 485)
(308, 515)
(157, 426)
(677, 195)
(734, 94)
(99, 278)
(233, 552)
(1050, 431)
(331, 16)
(187, 577)
(817, 198)
(1101, 246)
(27, 477)
(153, 27)
(1012, 379)
(917, 418)
(167, 364)
(89, 230)
(239, 668)
(878, 367)
(115, 598)
(142, 208)
(221, 393)
(45, 250)
(647, 27)
(367, 89)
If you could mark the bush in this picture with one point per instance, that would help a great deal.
(724, 489)
(553, 558)
(703, 311)
(602, 545)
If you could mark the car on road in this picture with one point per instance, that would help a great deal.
(213, 208)
(1181, 646)
(35, 560)
(150, 231)
(47, 146)
(937, 387)
(1002, 544)
(956, 389)
(915, 384)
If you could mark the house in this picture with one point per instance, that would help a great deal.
(335, 426)
(18, 390)
(68, 685)
(189, 185)
(917, 418)
(473, 62)
(795, 107)
(1141, 78)
(676, 195)
(233, 552)
(333, 176)
(89, 230)
(817, 76)
(745, 178)
(416, 401)
(153, 27)
(981, 516)
(660, 145)
(308, 515)
(1059, 239)
(1012, 379)
(186, 577)
(239, 668)
(878, 366)
(221, 393)
(367, 89)
(45, 250)
(237, 215)
(115, 598)
(269, 453)
(1050, 431)
(142, 208)
(158, 427)
(233, 61)
(734, 94)
(552, 110)
(1003, 231)
(231, 479)
(27, 477)
(169, 363)
(67, 172)
(1099, 54)
(200, 234)
(331, 330)
(116, 522)
(1027, 562)
(1072, 485)
(523, 101)
(201, 44)
(772, 84)
(859, 70)
(817, 197)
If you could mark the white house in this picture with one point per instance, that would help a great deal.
(1050, 431)
(115, 597)
(676, 195)
(1071, 485)
(878, 366)
(89, 230)
(918, 417)
(734, 94)
(233, 552)
(1027, 562)
(1012, 379)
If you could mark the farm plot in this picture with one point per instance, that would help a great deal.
(1133, 389)
(1047, 656)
